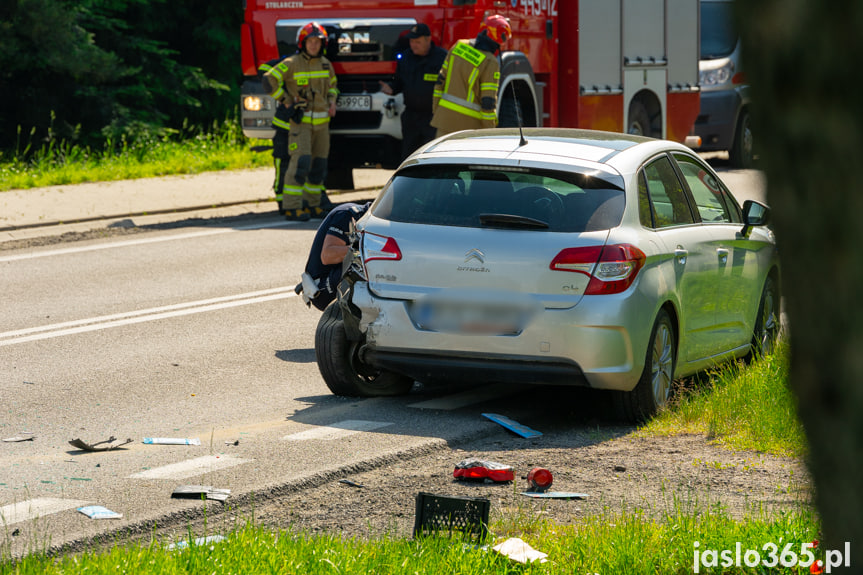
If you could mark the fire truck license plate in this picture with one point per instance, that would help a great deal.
(349, 102)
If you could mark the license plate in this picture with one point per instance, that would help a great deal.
(350, 102)
(472, 317)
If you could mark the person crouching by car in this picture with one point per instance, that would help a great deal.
(325, 264)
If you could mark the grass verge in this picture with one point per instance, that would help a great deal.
(740, 407)
(622, 541)
(223, 147)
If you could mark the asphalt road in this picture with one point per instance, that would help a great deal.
(188, 333)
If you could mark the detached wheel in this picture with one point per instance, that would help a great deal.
(767, 324)
(340, 365)
(654, 387)
(741, 154)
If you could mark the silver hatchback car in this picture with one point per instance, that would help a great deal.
(565, 257)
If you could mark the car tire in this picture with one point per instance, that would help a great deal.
(340, 366)
(654, 387)
(767, 322)
(639, 120)
(741, 154)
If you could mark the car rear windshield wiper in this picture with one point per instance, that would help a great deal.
(511, 221)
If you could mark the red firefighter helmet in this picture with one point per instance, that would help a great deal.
(310, 30)
(497, 28)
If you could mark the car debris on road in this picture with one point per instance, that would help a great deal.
(99, 445)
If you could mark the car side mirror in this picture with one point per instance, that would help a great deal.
(754, 214)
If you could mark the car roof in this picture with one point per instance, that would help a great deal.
(621, 152)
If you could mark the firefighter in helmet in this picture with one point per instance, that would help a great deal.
(465, 96)
(306, 85)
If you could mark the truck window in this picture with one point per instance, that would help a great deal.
(718, 36)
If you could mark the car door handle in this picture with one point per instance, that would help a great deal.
(723, 255)
(681, 254)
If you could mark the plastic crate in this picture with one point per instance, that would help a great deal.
(442, 513)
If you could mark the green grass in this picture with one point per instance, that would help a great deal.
(743, 408)
(612, 541)
(222, 147)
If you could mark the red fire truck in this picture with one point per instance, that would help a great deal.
(617, 65)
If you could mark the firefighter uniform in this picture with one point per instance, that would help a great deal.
(465, 96)
(306, 86)
(415, 78)
(280, 139)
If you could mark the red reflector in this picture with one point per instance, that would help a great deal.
(738, 78)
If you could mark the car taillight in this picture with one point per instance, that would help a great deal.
(377, 247)
(611, 269)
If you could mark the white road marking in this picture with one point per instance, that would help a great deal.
(337, 430)
(191, 467)
(469, 397)
(144, 315)
(34, 508)
(141, 241)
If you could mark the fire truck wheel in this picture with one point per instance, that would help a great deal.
(341, 367)
(510, 112)
(639, 121)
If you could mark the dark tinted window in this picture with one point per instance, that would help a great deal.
(659, 185)
(471, 196)
(718, 36)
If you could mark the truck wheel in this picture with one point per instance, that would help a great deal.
(639, 121)
(339, 179)
(340, 365)
(510, 111)
(741, 153)
(654, 387)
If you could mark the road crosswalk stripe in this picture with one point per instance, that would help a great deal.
(337, 430)
(191, 467)
(34, 508)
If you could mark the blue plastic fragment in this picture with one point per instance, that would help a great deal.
(513, 426)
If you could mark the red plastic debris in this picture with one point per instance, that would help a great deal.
(473, 468)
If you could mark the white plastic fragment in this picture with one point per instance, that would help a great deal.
(196, 542)
(99, 512)
(518, 550)
(171, 441)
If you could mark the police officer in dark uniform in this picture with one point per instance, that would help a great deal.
(416, 74)
(331, 244)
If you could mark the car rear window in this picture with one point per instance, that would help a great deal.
(485, 196)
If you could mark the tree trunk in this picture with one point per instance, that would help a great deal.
(802, 65)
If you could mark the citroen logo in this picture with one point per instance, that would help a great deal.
(474, 254)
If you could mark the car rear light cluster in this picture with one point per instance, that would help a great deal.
(377, 247)
(611, 269)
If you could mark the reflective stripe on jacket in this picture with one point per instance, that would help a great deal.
(300, 78)
(468, 77)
